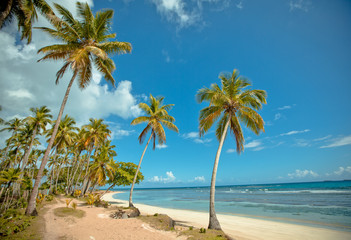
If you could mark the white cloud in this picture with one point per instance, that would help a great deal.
(239, 5)
(343, 170)
(253, 144)
(294, 132)
(26, 83)
(186, 13)
(339, 142)
(20, 93)
(174, 11)
(202, 141)
(158, 146)
(199, 179)
(195, 137)
(231, 150)
(277, 116)
(301, 5)
(170, 178)
(322, 138)
(302, 174)
(190, 135)
(284, 107)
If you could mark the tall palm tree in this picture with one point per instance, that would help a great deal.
(230, 104)
(157, 115)
(13, 125)
(85, 42)
(38, 122)
(95, 134)
(25, 11)
(103, 166)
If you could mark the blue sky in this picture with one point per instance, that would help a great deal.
(298, 51)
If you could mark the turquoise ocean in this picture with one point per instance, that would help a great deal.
(321, 204)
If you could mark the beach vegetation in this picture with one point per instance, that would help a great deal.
(230, 104)
(156, 117)
(160, 221)
(66, 212)
(81, 47)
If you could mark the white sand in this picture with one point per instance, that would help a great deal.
(242, 227)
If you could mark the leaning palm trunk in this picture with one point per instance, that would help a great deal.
(136, 174)
(214, 223)
(24, 161)
(31, 209)
(26, 155)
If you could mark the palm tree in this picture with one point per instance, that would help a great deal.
(85, 41)
(157, 115)
(13, 125)
(231, 103)
(38, 122)
(95, 134)
(25, 11)
(103, 165)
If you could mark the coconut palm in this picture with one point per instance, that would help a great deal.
(38, 122)
(25, 11)
(157, 115)
(13, 126)
(103, 166)
(230, 104)
(95, 134)
(84, 42)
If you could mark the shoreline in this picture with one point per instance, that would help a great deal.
(240, 227)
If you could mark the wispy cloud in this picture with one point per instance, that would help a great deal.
(231, 150)
(302, 174)
(284, 107)
(159, 179)
(190, 135)
(253, 144)
(186, 13)
(301, 5)
(277, 116)
(294, 132)
(158, 146)
(166, 55)
(239, 5)
(343, 141)
(199, 179)
(321, 138)
(194, 136)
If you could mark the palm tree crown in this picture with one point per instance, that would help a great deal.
(84, 42)
(157, 115)
(232, 102)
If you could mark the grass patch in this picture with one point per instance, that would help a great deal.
(159, 221)
(210, 234)
(66, 212)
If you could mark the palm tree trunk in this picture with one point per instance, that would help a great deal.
(136, 174)
(26, 155)
(214, 223)
(31, 209)
(5, 13)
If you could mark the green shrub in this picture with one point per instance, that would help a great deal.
(49, 198)
(12, 222)
(191, 228)
(202, 230)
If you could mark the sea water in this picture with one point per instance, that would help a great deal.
(322, 204)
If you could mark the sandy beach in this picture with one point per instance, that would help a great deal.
(241, 228)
